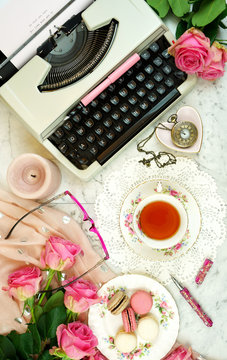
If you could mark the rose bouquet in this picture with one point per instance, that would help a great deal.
(197, 49)
(54, 326)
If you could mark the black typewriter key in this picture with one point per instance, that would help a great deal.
(136, 112)
(141, 92)
(133, 100)
(82, 145)
(144, 105)
(72, 138)
(166, 69)
(106, 107)
(124, 108)
(76, 118)
(112, 87)
(99, 130)
(149, 84)
(80, 130)
(127, 120)
(149, 69)
(121, 80)
(154, 47)
(119, 128)
(63, 147)
(158, 77)
(161, 89)
(114, 100)
(68, 125)
(73, 154)
(169, 82)
(145, 55)
(108, 122)
(79, 106)
(85, 110)
(157, 61)
(116, 115)
(72, 112)
(152, 97)
(140, 77)
(165, 54)
(83, 160)
(131, 85)
(129, 72)
(103, 95)
(180, 75)
(94, 103)
(110, 135)
(59, 133)
(102, 142)
(90, 138)
(123, 92)
(93, 150)
(97, 115)
(138, 64)
(89, 123)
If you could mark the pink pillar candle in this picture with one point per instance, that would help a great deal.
(31, 176)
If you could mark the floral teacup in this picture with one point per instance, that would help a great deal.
(167, 202)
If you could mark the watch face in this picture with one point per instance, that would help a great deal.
(184, 134)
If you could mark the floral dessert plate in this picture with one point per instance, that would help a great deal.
(169, 188)
(105, 325)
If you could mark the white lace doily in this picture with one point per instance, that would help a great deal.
(204, 190)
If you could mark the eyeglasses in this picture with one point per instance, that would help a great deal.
(92, 229)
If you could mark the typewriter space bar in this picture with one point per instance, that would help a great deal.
(138, 126)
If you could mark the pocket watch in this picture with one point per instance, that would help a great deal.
(183, 133)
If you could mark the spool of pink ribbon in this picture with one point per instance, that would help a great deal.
(31, 176)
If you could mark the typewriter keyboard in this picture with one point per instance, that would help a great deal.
(99, 130)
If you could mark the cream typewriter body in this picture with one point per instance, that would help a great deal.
(135, 27)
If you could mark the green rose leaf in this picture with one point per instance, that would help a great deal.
(181, 28)
(55, 300)
(54, 318)
(23, 344)
(46, 356)
(7, 349)
(211, 31)
(32, 328)
(38, 312)
(179, 7)
(161, 6)
(41, 325)
(208, 11)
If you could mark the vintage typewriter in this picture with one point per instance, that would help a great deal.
(97, 82)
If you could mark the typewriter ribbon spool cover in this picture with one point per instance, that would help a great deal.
(82, 52)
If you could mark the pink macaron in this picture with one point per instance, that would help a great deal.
(141, 302)
(129, 320)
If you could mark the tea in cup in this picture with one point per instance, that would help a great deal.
(160, 221)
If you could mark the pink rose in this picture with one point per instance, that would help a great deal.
(191, 51)
(98, 356)
(129, 218)
(75, 340)
(80, 295)
(216, 67)
(59, 254)
(178, 246)
(24, 283)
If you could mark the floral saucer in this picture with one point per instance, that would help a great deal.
(105, 325)
(169, 188)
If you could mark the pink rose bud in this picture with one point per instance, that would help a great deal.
(24, 283)
(98, 356)
(191, 51)
(215, 69)
(80, 295)
(59, 254)
(76, 340)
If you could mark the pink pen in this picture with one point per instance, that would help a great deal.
(186, 294)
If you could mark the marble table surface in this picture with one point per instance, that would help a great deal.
(209, 98)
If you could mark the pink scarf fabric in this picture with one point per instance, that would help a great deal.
(24, 247)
